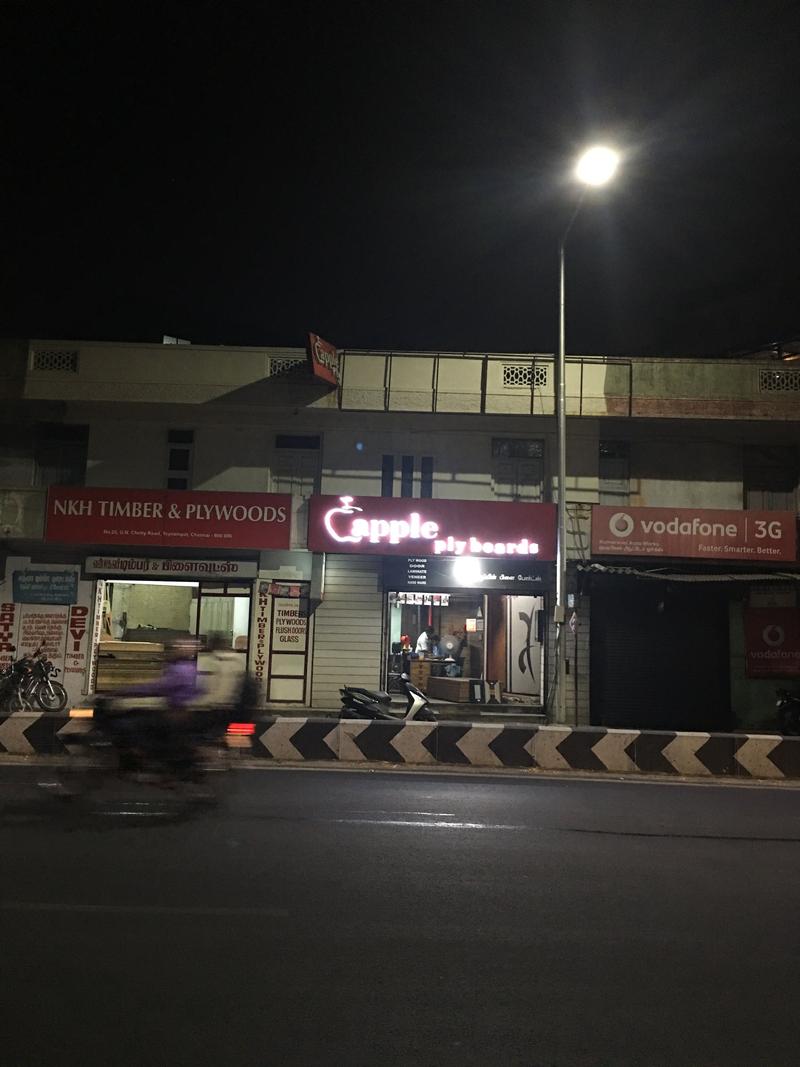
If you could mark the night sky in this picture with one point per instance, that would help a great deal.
(393, 175)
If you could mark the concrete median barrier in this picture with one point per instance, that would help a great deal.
(512, 745)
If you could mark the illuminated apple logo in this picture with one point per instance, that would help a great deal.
(347, 508)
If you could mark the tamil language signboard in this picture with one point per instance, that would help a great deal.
(226, 570)
(467, 572)
(45, 586)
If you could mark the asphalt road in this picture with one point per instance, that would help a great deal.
(335, 917)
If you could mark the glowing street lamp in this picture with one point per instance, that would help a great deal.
(595, 167)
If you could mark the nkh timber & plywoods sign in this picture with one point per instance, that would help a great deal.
(323, 360)
(213, 569)
(168, 518)
(695, 533)
(401, 526)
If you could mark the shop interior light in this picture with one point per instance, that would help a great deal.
(142, 581)
(467, 570)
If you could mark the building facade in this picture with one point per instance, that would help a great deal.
(150, 490)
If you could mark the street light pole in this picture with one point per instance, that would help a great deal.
(595, 167)
(561, 436)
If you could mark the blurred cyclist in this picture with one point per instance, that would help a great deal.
(165, 732)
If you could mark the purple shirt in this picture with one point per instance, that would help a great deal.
(177, 685)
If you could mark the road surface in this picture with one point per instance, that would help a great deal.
(336, 917)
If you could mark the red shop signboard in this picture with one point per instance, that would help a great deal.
(167, 518)
(407, 527)
(695, 533)
(772, 642)
(323, 359)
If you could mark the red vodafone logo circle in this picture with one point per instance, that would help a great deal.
(773, 636)
(621, 524)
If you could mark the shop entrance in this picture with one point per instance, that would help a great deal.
(142, 618)
(476, 636)
(660, 656)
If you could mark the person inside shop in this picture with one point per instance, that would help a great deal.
(455, 668)
(424, 641)
(436, 648)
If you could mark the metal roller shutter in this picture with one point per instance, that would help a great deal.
(348, 628)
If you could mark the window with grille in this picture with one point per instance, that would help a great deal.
(770, 477)
(406, 467)
(614, 472)
(60, 453)
(517, 448)
(281, 366)
(296, 467)
(387, 476)
(518, 468)
(59, 359)
(524, 375)
(779, 381)
(180, 449)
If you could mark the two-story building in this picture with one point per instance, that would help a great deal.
(188, 489)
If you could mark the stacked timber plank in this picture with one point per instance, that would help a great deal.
(128, 663)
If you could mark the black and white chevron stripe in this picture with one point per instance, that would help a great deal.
(557, 748)
(552, 748)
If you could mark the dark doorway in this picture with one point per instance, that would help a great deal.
(659, 655)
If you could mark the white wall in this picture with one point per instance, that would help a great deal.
(669, 472)
(231, 457)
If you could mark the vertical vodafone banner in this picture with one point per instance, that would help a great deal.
(772, 642)
(62, 629)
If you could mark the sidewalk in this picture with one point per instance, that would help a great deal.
(444, 709)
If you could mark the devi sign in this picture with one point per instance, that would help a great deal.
(695, 533)
(405, 527)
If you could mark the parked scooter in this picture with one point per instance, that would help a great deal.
(788, 705)
(358, 703)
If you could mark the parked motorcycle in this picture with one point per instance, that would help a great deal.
(30, 682)
(14, 679)
(788, 705)
(358, 703)
(42, 688)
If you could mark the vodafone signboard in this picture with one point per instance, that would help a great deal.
(406, 527)
(695, 533)
(168, 518)
(772, 640)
